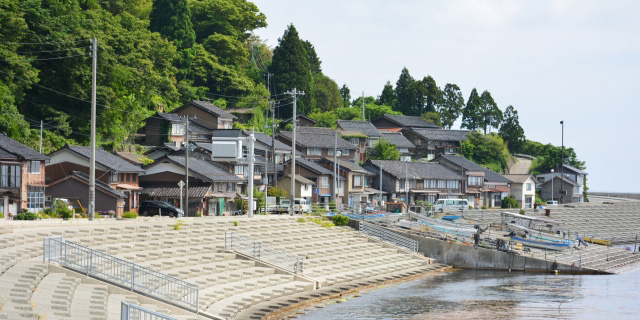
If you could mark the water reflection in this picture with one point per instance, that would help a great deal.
(495, 295)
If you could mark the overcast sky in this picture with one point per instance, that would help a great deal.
(577, 61)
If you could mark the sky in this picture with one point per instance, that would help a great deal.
(570, 60)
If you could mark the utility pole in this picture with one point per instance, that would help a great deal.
(273, 142)
(406, 181)
(40, 136)
(562, 165)
(363, 119)
(250, 175)
(335, 169)
(92, 157)
(186, 168)
(294, 94)
(380, 204)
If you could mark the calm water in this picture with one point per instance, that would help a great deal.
(495, 295)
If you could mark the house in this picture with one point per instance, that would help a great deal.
(304, 186)
(111, 170)
(563, 190)
(212, 189)
(423, 181)
(206, 114)
(304, 121)
(354, 175)
(362, 134)
(523, 188)
(572, 174)
(317, 143)
(431, 143)
(163, 128)
(483, 187)
(404, 146)
(22, 177)
(75, 188)
(396, 123)
(322, 178)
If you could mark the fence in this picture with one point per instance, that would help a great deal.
(388, 236)
(130, 311)
(121, 272)
(261, 251)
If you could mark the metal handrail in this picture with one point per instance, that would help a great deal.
(129, 311)
(388, 236)
(121, 272)
(260, 251)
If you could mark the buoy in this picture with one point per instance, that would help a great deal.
(555, 271)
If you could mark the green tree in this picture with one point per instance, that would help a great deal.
(291, 68)
(405, 93)
(432, 117)
(233, 18)
(491, 114)
(312, 56)
(345, 93)
(384, 150)
(487, 150)
(325, 119)
(172, 19)
(349, 113)
(374, 111)
(327, 93)
(452, 105)
(472, 117)
(387, 96)
(434, 96)
(511, 131)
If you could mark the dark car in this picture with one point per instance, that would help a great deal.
(154, 208)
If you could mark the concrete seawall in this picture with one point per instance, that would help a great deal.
(468, 257)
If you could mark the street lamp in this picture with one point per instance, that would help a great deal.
(552, 184)
(562, 164)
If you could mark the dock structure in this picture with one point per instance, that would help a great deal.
(232, 283)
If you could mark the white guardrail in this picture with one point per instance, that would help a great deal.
(130, 311)
(121, 272)
(388, 236)
(260, 251)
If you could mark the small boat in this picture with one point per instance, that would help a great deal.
(597, 241)
(451, 218)
(542, 244)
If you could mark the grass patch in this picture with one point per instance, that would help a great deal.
(130, 215)
(178, 226)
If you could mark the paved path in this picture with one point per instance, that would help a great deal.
(522, 166)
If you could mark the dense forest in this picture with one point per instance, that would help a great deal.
(154, 55)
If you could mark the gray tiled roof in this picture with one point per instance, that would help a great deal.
(442, 134)
(173, 117)
(209, 107)
(574, 169)
(418, 170)
(409, 121)
(228, 133)
(267, 140)
(519, 178)
(106, 159)
(489, 174)
(317, 139)
(365, 127)
(318, 169)
(7, 155)
(345, 164)
(575, 184)
(99, 184)
(398, 139)
(172, 190)
(19, 150)
(207, 169)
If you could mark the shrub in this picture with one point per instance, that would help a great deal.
(235, 223)
(470, 207)
(302, 220)
(340, 220)
(483, 207)
(522, 212)
(79, 210)
(510, 202)
(24, 210)
(178, 225)
(97, 215)
(43, 215)
(130, 215)
(64, 212)
(1, 215)
(326, 224)
(26, 216)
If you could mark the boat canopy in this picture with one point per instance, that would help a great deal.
(530, 218)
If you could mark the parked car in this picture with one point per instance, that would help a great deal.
(153, 208)
(300, 205)
(443, 205)
(552, 203)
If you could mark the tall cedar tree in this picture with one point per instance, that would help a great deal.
(491, 114)
(387, 96)
(452, 105)
(404, 93)
(345, 93)
(472, 117)
(291, 69)
(312, 56)
(172, 19)
(511, 131)
(435, 97)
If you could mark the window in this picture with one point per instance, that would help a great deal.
(238, 169)
(403, 150)
(474, 180)
(34, 167)
(541, 179)
(314, 151)
(177, 129)
(134, 177)
(231, 187)
(220, 124)
(528, 186)
(330, 152)
(325, 182)
(576, 190)
(449, 150)
(414, 183)
(431, 198)
(431, 154)
(442, 184)
(357, 181)
(128, 177)
(113, 177)
(35, 198)
(429, 184)
(345, 152)
(452, 184)
(355, 141)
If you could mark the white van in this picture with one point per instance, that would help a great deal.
(300, 205)
(450, 205)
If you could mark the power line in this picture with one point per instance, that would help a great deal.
(49, 51)
(44, 59)
(44, 43)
